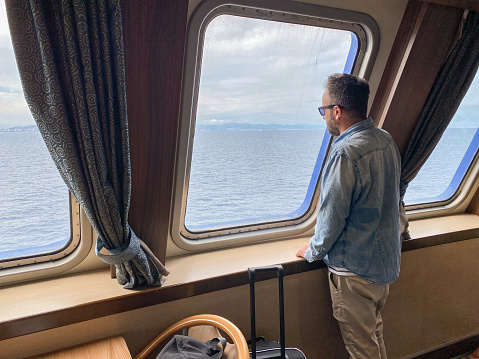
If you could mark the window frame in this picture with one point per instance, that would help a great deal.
(49, 264)
(367, 33)
(23, 265)
(71, 244)
(462, 187)
(454, 188)
(465, 178)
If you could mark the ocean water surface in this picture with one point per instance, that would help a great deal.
(235, 176)
(34, 201)
(249, 175)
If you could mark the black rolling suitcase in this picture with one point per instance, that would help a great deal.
(269, 349)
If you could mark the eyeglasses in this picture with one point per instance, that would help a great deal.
(322, 108)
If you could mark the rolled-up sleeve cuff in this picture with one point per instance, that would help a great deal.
(312, 255)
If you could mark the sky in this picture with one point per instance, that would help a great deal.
(13, 107)
(253, 71)
(259, 71)
(467, 116)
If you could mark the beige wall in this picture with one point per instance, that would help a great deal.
(433, 302)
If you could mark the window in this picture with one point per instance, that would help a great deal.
(35, 212)
(257, 127)
(252, 141)
(443, 173)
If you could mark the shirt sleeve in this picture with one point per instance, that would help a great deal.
(337, 188)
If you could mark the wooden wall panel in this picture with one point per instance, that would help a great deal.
(422, 43)
(307, 307)
(410, 23)
(433, 302)
(154, 36)
(462, 4)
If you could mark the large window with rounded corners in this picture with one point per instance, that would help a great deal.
(252, 141)
(36, 217)
(443, 174)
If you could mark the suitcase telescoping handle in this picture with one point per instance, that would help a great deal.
(252, 275)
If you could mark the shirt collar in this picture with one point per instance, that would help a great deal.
(357, 127)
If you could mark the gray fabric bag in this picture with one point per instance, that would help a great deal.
(183, 347)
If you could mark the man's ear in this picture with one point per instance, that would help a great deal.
(338, 112)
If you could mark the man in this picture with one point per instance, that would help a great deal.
(357, 231)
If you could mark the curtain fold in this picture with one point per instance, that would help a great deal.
(449, 88)
(71, 63)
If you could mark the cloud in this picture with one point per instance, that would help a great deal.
(468, 112)
(4, 30)
(267, 72)
(472, 95)
(214, 121)
(254, 71)
(13, 107)
(14, 110)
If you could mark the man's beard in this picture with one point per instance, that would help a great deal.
(332, 126)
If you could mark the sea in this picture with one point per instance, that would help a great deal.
(237, 176)
(34, 200)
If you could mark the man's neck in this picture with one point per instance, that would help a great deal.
(348, 123)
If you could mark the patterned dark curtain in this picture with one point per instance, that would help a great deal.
(450, 87)
(71, 63)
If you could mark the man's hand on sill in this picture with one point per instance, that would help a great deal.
(302, 251)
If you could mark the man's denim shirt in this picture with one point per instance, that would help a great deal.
(358, 221)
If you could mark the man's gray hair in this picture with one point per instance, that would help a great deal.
(349, 92)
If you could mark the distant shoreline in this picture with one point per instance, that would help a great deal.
(31, 128)
(212, 127)
(217, 127)
(255, 127)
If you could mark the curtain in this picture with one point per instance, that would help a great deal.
(71, 63)
(449, 88)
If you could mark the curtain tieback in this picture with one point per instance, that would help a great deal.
(127, 252)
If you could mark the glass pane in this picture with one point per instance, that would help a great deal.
(34, 201)
(441, 175)
(258, 131)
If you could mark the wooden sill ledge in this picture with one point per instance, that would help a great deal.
(108, 348)
(32, 307)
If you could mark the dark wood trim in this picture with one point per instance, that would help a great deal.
(408, 28)
(461, 347)
(112, 271)
(421, 45)
(439, 239)
(154, 37)
(461, 4)
(145, 297)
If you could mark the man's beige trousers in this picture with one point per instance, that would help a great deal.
(356, 306)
